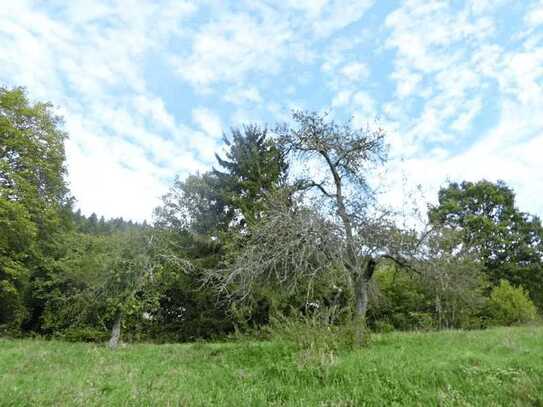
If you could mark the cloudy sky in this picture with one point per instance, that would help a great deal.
(147, 87)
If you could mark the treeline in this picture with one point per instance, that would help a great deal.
(256, 238)
(100, 226)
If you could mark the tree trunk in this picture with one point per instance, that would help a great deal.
(361, 284)
(439, 312)
(116, 331)
(361, 306)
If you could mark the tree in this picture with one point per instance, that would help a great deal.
(343, 233)
(211, 212)
(184, 309)
(34, 199)
(103, 280)
(196, 205)
(214, 202)
(508, 242)
(131, 270)
(253, 167)
(71, 307)
(454, 281)
(17, 239)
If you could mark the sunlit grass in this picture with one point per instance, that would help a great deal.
(501, 367)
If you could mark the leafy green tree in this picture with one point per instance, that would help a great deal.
(398, 300)
(100, 282)
(34, 199)
(445, 288)
(195, 204)
(71, 309)
(510, 305)
(185, 309)
(17, 240)
(453, 281)
(131, 270)
(508, 242)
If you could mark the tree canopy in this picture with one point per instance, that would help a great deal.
(286, 223)
(34, 197)
(509, 242)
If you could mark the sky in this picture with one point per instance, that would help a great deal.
(146, 88)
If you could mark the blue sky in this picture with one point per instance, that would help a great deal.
(147, 87)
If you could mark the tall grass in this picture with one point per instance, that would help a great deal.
(500, 367)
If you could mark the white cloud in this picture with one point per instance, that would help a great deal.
(342, 98)
(234, 46)
(534, 17)
(155, 109)
(326, 17)
(208, 121)
(463, 121)
(336, 15)
(355, 71)
(445, 58)
(450, 60)
(206, 143)
(424, 31)
(110, 176)
(86, 60)
(406, 81)
(241, 96)
(506, 153)
(312, 8)
(96, 61)
(365, 108)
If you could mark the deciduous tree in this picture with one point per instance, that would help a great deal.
(34, 199)
(509, 242)
(345, 232)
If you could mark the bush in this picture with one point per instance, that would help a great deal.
(510, 305)
(395, 300)
(84, 334)
(383, 327)
(422, 320)
(313, 332)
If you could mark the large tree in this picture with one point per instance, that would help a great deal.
(206, 217)
(195, 204)
(34, 200)
(344, 233)
(230, 196)
(508, 241)
(252, 168)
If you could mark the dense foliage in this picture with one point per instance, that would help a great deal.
(34, 203)
(510, 305)
(252, 241)
(508, 242)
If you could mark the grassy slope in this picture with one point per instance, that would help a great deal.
(495, 367)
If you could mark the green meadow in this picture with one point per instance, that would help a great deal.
(494, 367)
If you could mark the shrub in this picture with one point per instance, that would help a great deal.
(422, 320)
(395, 300)
(383, 327)
(313, 332)
(510, 305)
(84, 334)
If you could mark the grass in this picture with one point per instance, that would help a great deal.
(500, 367)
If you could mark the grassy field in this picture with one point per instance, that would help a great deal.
(501, 367)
